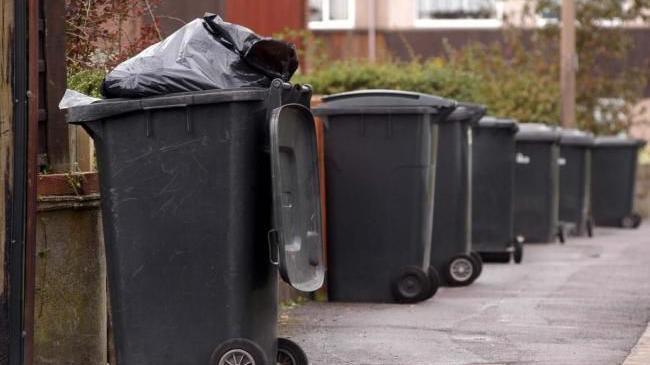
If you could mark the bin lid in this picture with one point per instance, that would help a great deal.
(495, 122)
(575, 137)
(112, 107)
(618, 140)
(297, 230)
(383, 101)
(537, 132)
(467, 113)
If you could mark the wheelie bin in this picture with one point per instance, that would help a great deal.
(575, 181)
(537, 183)
(451, 243)
(380, 156)
(493, 179)
(206, 196)
(613, 177)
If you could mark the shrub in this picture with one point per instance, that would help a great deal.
(87, 82)
(504, 89)
(99, 32)
(427, 77)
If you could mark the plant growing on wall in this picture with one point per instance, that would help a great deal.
(103, 33)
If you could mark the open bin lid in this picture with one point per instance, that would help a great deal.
(618, 141)
(388, 101)
(494, 122)
(537, 132)
(296, 197)
(575, 137)
(467, 113)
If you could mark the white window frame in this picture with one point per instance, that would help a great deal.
(471, 23)
(327, 23)
(604, 23)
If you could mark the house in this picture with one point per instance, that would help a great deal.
(266, 17)
(419, 27)
(380, 29)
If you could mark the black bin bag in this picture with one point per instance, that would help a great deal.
(205, 54)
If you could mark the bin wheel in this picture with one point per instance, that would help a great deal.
(561, 235)
(631, 221)
(479, 261)
(590, 227)
(461, 270)
(289, 353)
(239, 351)
(412, 285)
(496, 257)
(518, 253)
(434, 282)
(479, 264)
(637, 220)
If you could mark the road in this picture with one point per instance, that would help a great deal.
(584, 303)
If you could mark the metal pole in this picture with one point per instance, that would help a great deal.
(21, 194)
(372, 36)
(16, 225)
(568, 65)
(33, 9)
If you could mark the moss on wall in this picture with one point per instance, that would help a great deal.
(70, 306)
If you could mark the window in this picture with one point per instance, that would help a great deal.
(331, 14)
(459, 13)
(552, 13)
(549, 14)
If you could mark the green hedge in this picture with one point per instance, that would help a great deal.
(506, 91)
(426, 77)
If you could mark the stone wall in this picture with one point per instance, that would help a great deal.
(70, 305)
(642, 199)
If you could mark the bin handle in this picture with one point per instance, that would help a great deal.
(271, 237)
(170, 106)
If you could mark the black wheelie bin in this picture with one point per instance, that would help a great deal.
(206, 196)
(575, 181)
(613, 178)
(451, 243)
(493, 179)
(537, 183)
(380, 156)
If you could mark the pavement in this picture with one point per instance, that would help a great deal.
(583, 303)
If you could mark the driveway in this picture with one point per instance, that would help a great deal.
(583, 303)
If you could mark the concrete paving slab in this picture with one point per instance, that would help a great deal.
(586, 302)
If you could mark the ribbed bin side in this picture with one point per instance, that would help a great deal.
(493, 186)
(186, 203)
(380, 176)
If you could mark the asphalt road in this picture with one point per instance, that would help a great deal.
(586, 302)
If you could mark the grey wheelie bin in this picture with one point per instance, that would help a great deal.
(613, 177)
(206, 196)
(575, 181)
(537, 183)
(493, 179)
(451, 245)
(380, 156)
